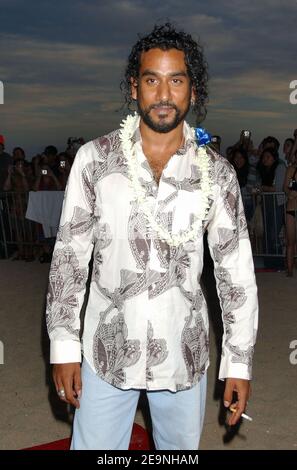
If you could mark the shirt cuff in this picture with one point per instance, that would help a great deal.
(236, 370)
(63, 352)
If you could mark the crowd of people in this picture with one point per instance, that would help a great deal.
(261, 171)
(47, 171)
(267, 179)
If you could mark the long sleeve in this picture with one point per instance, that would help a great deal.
(69, 267)
(234, 272)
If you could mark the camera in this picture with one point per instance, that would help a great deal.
(44, 172)
(293, 185)
(246, 134)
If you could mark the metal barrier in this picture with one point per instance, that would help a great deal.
(266, 224)
(16, 232)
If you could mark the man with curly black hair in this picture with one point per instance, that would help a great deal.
(141, 199)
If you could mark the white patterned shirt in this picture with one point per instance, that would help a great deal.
(146, 321)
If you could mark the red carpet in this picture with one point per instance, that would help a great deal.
(140, 440)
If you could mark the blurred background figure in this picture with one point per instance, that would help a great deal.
(272, 173)
(5, 162)
(73, 144)
(229, 152)
(287, 150)
(64, 168)
(240, 161)
(18, 184)
(46, 169)
(290, 188)
(18, 154)
(216, 143)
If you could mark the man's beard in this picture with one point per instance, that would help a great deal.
(164, 127)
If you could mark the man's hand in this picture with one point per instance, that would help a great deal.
(67, 377)
(243, 389)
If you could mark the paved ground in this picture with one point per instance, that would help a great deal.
(30, 413)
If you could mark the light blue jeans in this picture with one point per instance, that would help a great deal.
(105, 418)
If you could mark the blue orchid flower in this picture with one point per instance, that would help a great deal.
(202, 136)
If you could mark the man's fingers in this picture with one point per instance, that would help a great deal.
(60, 389)
(77, 383)
(71, 394)
(64, 378)
(242, 389)
(228, 393)
(236, 411)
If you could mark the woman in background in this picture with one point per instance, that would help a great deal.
(290, 188)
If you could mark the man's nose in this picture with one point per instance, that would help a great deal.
(164, 92)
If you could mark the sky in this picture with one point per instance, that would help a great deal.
(61, 63)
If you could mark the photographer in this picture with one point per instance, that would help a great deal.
(290, 188)
(63, 169)
(73, 144)
(46, 179)
(16, 179)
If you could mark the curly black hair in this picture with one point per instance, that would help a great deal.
(166, 37)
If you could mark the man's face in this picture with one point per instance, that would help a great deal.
(163, 90)
(18, 154)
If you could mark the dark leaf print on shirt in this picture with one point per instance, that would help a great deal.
(194, 340)
(66, 280)
(232, 296)
(156, 352)
(228, 242)
(81, 222)
(242, 356)
(110, 155)
(177, 261)
(186, 184)
(138, 238)
(112, 351)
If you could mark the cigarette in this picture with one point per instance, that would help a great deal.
(243, 415)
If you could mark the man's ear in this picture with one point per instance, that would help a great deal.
(134, 86)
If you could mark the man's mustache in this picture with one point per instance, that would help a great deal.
(161, 104)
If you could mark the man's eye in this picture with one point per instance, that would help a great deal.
(176, 81)
(151, 81)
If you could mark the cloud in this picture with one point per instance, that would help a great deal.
(62, 62)
(255, 85)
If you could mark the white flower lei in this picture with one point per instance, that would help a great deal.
(126, 134)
